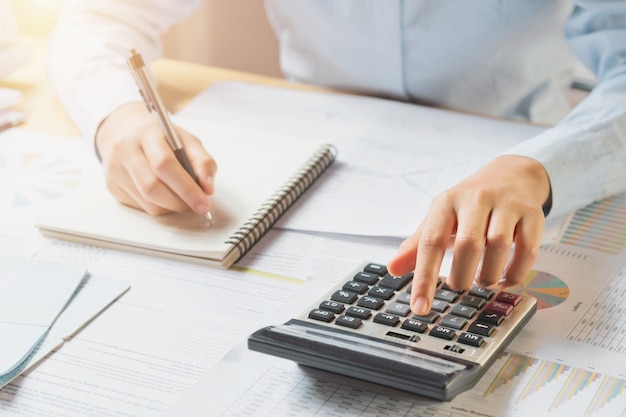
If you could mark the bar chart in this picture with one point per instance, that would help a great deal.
(527, 382)
(600, 226)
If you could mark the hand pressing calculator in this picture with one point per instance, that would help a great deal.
(363, 328)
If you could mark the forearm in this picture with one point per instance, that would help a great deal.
(585, 154)
(87, 52)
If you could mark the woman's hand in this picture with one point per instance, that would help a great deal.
(480, 218)
(141, 169)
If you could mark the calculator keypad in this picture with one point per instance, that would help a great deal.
(372, 302)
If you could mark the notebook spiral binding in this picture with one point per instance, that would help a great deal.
(251, 231)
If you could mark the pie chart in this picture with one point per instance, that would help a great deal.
(549, 290)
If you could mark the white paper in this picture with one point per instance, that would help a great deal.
(91, 298)
(9, 97)
(37, 169)
(32, 295)
(150, 346)
(393, 157)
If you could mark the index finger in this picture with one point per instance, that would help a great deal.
(433, 242)
(203, 163)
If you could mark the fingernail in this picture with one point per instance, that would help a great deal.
(420, 306)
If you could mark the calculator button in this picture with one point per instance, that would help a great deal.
(366, 278)
(375, 269)
(463, 311)
(381, 292)
(360, 312)
(370, 302)
(498, 307)
(386, 319)
(507, 297)
(415, 325)
(399, 309)
(481, 292)
(439, 306)
(439, 281)
(446, 295)
(454, 322)
(491, 317)
(471, 339)
(447, 288)
(404, 298)
(333, 306)
(473, 301)
(357, 287)
(322, 315)
(431, 317)
(395, 283)
(348, 321)
(343, 296)
(442, 332)
(483, 329)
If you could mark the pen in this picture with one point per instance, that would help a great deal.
(155, 105)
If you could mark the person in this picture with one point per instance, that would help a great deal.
(504, 59)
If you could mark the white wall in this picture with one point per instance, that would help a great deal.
(233, 34)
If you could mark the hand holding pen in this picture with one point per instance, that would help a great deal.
(143, 171)
(155, 105)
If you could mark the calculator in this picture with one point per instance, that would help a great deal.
(363, 328)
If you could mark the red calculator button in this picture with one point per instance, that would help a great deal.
(509, 298)
(498, 307)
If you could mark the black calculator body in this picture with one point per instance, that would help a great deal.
(363, 328)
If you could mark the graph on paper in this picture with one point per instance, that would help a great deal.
(515, 386)
(527, 382)
(36, 168)
(603, 324)
(600, 226)
(549, 290)
(43, 178)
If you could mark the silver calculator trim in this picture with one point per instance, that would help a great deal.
(420, 364)
(480, 355)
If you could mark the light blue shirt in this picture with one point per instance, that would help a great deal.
(504, 58)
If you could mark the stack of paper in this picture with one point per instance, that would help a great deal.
(14, 51)
(41, 304)
(9, 117)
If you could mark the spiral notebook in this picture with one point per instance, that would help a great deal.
(259, 177)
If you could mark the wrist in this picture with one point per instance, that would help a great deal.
(118, 123)
(535, 173)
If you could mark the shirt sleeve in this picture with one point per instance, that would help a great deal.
(585, 153)
(87, 52)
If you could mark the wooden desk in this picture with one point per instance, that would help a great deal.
(43, 111)
(178, 83)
